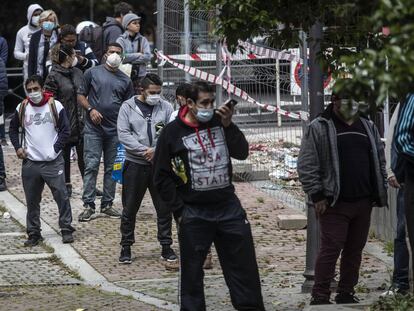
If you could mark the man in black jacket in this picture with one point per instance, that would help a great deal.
(193, 174)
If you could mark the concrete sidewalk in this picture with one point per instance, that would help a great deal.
(93, 259)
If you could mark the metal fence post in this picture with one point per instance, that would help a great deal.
(187, 36)
(219, 68)
(316, 104)
(160, 31)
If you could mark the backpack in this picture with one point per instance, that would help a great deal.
(94, 37)
(135, 67)
(52, 107)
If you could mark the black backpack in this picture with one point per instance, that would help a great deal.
(94, 37)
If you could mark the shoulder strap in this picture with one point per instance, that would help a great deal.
(139, 44)
(52, 107)
(22, 111)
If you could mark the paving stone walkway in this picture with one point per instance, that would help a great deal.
(280, 254)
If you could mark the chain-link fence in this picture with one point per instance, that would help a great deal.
(274, 139)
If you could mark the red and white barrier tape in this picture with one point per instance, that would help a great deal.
(202, 57)
(202, 75)
(269, 53)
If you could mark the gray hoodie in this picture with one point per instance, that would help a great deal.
(132, 128)
(132, 55)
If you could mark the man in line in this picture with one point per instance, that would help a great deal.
(193, 173)
(343, 183)
(112, 28)
(4, 88)
(4, 53)
(395, 179)
(45, 130)
(136, 48)
(84, 54)
(21, 48)
(404, 143)
(107, 88)
(140, 122)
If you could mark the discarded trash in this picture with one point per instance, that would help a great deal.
(291, 162)
(272, 187)
(6, 215)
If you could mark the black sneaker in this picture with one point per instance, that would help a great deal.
(345, 298)
(125, 257)
(99, 193)
(67, 237)
(86, 215)
(3, 186)
(318, 300)
(33, 240)
(110, 211)
(168, 254)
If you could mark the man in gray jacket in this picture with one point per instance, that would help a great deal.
(140, 122)
(136, 48)
(341, 166)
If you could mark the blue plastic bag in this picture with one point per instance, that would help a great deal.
(118, 164)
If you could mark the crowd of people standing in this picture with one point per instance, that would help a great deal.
(95, 96)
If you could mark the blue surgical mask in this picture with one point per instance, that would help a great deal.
(48, 26)
(204, 114)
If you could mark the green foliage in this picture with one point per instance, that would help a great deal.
(393, 303)
(371, 81)
(280, 20)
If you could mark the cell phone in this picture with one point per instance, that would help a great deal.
(231, 103)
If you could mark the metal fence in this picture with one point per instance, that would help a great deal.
(274, 139)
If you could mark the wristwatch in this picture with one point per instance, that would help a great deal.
(90, 109)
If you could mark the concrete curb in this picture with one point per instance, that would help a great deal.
(72, 259)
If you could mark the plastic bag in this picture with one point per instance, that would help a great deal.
(118, 164)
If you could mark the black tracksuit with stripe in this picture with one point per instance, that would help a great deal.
(193, 174)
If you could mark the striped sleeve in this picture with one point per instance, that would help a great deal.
(404, 135)
(90, 58)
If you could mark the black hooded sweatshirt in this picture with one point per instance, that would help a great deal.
(192, 163)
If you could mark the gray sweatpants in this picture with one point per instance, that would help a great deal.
(34, 176)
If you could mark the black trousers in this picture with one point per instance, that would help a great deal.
(137, 178)
(229, 229)
(66, 156)
(409, 214)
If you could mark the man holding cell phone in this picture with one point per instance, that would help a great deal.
(193, 175)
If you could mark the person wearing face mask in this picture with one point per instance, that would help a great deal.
(65, 83)
(21, 48)
(41, 43)
(136, 48)
(140, 122)
(45, 130)
(180, 98)
(341, 166)
(193, 174)
(106, 88)
(84, 54)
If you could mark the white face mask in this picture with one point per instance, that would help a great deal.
(114, 60)
(75, 62)
(35, 20)
(153, 100)
(36, 97)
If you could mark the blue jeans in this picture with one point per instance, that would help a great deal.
(401, 256)
(94, 145)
